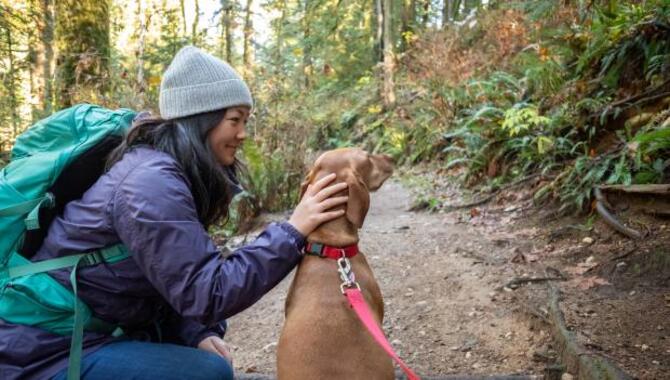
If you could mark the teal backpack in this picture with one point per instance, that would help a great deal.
(53, 162)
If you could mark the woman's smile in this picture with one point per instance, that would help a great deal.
(226, 138)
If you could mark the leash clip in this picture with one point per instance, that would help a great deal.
(346, 275)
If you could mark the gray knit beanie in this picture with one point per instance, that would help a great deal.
(197, 82)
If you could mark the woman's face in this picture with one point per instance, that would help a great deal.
(227, 137)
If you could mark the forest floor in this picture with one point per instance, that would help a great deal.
(451, 307)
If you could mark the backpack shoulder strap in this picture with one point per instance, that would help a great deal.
(110, 255)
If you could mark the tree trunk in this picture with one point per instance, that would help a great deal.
(426, 13)
(40, 56)
(379, 35)
(46, 57)
(248, 32)
(83, 44)
(194, 28)
(11, 88)
(447, 11)
(141, 41)
(388, 92)
(408, 21)
(230, 18)
(183, 16)
(280, 38)
(307, 48)
(456, 10)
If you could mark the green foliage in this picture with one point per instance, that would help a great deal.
(626, 41)
(268, 181)
(522, 119)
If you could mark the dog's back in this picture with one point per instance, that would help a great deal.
(322, 337)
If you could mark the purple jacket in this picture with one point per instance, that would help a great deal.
(176, 277)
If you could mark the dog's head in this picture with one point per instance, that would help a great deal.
(363, 173)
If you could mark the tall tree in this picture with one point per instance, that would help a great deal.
(307, 42)
(379, 31)
(10, 77)
(425, 12)
(15, 33)
(451, 11)
(82, 39)
(248, 32)
(141, 42)
(388, 91)
(183, 16)
(408, 21)
(44, 56)
(227, 29)
(280, 36)
(195, 36)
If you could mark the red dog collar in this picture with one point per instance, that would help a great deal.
(321, 250)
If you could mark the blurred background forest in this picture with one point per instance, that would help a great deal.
(490, 92)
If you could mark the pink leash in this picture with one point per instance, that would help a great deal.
(352, 291)
(357, 302)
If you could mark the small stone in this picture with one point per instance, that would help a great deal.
(590, 260)
(659, 328)
(656, 362)
(567, 376)
(644, 347)
(468, 355)
(396, 342)
(454, 348)
(269, 347)
(632, 293)
(587, 240)
(621, 264)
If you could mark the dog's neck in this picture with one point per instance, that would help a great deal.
(338, 232)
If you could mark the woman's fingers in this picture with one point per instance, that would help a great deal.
(332, 202)
(222, 349)
(330, 190)
(315, 187)
(330, 215)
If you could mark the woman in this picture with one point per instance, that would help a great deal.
(169, 180)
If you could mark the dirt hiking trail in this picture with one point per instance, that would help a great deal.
(447, 311)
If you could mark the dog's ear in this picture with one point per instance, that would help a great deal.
(382, 168)
(359, 199)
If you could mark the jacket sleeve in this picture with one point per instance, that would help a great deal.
(189, 332)
(154, 215)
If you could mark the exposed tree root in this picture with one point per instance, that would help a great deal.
(584, 365)
(524, 280)
(610, 219)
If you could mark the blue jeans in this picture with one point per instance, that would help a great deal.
(130, 359)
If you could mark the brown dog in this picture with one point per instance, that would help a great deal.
(322, 338)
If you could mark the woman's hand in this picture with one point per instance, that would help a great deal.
(216, 345)
(315, 203)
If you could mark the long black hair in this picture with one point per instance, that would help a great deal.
(185, 139)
